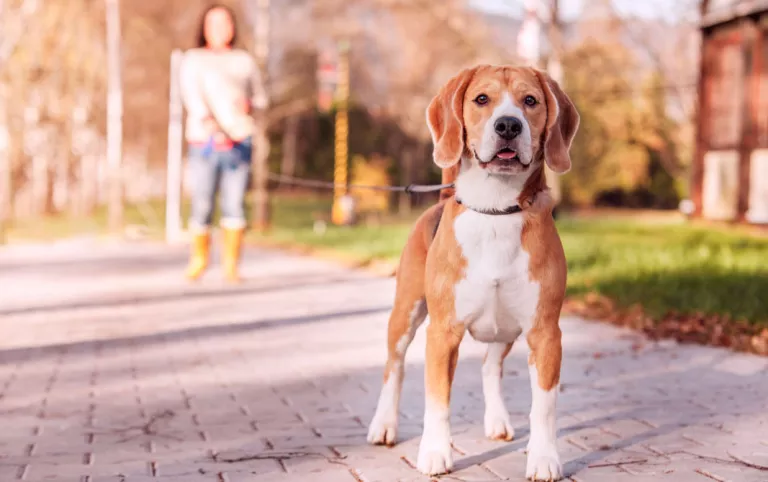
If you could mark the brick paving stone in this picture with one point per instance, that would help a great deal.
(112, 368)
(328, 475)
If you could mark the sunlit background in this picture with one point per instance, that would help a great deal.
(650, 157)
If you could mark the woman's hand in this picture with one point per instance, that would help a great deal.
(220, 138)
(211, 127)
(245, 105)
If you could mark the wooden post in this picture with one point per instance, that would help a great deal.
(260, 138)
(341, 147)
(175, 144)
(114, 116)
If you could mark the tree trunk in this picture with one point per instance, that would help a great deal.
(261, 140)
(49, 207)
(290, 145)
(89, 183)
(40, 184)
(66, 170)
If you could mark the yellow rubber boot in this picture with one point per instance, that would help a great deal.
(233, 240)
(199, 256)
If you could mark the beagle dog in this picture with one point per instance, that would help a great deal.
(486, 259)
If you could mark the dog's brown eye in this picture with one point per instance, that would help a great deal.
(530, 100)
(481, 99)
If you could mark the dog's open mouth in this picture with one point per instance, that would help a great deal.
(505, 158)
(507, 154)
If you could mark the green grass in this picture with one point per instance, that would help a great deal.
(293, 220)
(665, 265)
(664, 268)
(151, 215)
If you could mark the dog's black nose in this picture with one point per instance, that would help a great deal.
(508, 127)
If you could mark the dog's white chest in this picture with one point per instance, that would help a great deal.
(497, 299)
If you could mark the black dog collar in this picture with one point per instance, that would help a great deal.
(494, 212)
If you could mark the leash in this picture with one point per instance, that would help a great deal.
(409, 189)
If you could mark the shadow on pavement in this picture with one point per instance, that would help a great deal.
(231, 400)
(191, 291)
(206, 332)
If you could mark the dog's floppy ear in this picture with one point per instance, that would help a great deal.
(562, 124)
(445, 118)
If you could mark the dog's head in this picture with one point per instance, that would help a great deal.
(502, 119)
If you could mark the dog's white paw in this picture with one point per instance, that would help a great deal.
(435, 461)
(543, 464)
(497, 425)
(435, 456)
(383, 429)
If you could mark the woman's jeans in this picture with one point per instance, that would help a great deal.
(230, 172)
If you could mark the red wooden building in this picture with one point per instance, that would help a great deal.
(730, 168)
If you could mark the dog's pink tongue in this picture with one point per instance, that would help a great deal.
(506, 154)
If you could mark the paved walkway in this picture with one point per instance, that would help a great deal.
(112, 369)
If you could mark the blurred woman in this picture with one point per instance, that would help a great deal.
(221, 89)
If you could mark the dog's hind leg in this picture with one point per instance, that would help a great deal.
(497, 424)
(408, 314)
(403, 324)
(405, 319)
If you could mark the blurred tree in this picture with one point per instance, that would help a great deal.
(12, 20)
(625, 137)
(53, 73)
(604, 157)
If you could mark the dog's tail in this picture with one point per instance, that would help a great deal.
(449, 177)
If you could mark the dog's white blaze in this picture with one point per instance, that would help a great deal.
(474, 185)
(435, 447)
(497, 299)
(497, 424)
(488, 144)
(543, 460)
(478, 189)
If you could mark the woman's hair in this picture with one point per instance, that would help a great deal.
(201, 42)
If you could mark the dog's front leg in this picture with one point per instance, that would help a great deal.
(443, 341)
(497, 423)
(544, 368)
